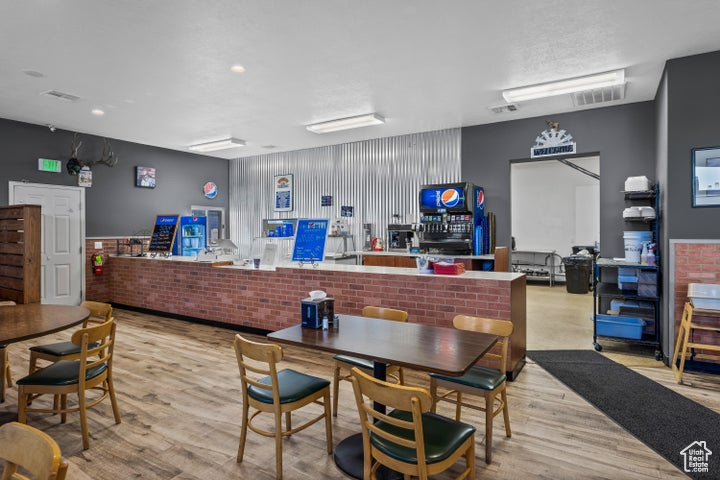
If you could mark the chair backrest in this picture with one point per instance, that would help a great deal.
(260, 359)
(7, 303)
(415, 400)
(385, 313)
(35, 451)
(501, 259)
(99, 312)
(104, 335)
(502, 328)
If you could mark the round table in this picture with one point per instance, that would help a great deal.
(22, 322)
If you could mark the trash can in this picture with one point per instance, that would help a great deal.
(578, 272)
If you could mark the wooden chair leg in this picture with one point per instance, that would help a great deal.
(113, 400)
(3, 372)
(243, 431)
(401, 376)
(288, 422)
(506, 412)
(336, 390)
(5, 363)
(22, 404)
(470, 460)
(83, 417)
(328, 423)
(278, 445)
(63, 408)
(458, 406)
(33, 363)
(489, 404)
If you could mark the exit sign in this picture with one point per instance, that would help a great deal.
(47, 165)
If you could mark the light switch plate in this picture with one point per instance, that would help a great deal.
(98, 246)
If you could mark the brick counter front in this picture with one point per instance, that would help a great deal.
(270, 300)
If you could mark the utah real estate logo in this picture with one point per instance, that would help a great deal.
(696, 457)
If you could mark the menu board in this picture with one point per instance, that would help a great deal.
(310, 237)
(163, 234)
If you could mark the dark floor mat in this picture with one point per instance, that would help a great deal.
(664, 420)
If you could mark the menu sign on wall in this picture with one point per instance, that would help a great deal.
(310, 238)
(283, 193)
(163, 234)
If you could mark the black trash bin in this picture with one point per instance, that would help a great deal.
(578, 272)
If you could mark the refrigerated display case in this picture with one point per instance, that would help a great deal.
(191, 237)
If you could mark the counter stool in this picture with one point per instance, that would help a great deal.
(683, 345)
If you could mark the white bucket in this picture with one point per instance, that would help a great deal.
(633, 244)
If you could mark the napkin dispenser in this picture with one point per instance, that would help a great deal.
(313, 311)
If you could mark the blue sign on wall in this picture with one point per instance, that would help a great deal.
(310, 239)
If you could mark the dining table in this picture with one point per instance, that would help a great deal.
(447, 351)
(25, 321)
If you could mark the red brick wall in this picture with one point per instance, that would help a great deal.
(271, 300)
(696, 263)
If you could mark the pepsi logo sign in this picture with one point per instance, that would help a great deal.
(210, 190)
(450, 197)
(480, 200)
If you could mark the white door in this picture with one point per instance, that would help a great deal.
(63, 238)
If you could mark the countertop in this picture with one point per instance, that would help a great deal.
(470, 274)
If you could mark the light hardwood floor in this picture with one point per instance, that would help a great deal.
(179, 395)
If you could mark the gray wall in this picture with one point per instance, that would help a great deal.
(661, 116)
(624, 136)
(693, 103)
(115, 207)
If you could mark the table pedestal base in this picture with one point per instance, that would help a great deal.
(349, 459)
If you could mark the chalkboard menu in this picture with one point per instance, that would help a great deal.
(163, 234)
(310, 236)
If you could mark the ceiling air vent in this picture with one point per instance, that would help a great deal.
(509, 107)
(62, 95)
(599, 95)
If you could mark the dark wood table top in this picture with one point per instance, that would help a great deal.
(447, 351)
(22, 322)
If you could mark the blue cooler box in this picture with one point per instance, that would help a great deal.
(617, 326)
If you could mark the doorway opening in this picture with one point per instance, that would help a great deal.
(555, 211)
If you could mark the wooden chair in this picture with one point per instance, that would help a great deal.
(54, 352)
(93, 370)
(348, 362)
(278, 392)
(484, 381)
(32, 450)
(501, 259)
(5, 373)
(409, 439)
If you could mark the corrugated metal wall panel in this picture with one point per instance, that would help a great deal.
(379, 178)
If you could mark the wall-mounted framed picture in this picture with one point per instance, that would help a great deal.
(145, 177)
(284, 193)
(706, 177)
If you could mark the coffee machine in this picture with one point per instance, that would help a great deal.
(400, 235)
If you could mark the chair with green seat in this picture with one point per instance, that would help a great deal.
(409, 439)
(5, 373)
(54, 352)
(348, 361)
(92, 370)
(488, 382)
(276, 392)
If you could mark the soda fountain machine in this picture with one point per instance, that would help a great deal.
(452, 219)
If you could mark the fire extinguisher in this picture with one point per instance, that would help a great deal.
(97, 263)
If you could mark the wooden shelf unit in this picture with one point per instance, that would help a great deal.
(20, 256)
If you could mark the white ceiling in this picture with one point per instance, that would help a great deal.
(161, 68)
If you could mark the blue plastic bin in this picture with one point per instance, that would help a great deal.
(616, 326)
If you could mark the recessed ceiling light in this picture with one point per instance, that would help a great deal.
(346, 123)
(560, 87)
(97, 112)
(237, 69)
(217, 145)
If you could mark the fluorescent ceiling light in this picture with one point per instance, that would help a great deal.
(571, 85)
(346, 123)
(217, 145)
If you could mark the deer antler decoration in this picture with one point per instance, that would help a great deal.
(107, 157)
(74, 165)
